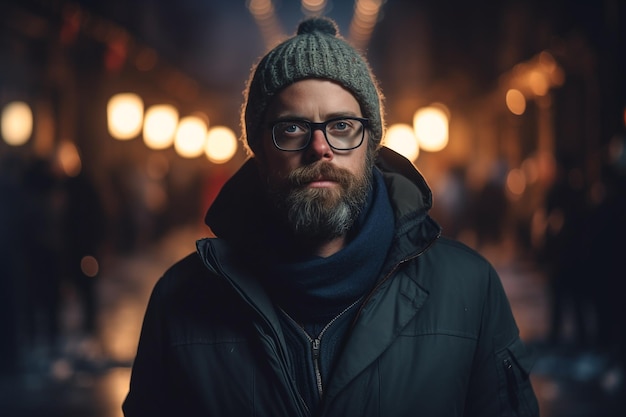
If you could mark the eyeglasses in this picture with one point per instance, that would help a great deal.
(341, 133)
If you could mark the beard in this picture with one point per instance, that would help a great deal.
(322, 214)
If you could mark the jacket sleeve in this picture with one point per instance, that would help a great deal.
(149, 382)
(500, 384)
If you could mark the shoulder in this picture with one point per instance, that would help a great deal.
(188, 270)
(188, 282)
(452, 267)
(190, 264)
(459, 254)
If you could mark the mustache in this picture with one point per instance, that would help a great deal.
(321, 170)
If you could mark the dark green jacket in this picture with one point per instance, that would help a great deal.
(436, 337)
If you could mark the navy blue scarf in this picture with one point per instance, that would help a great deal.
(315, 290)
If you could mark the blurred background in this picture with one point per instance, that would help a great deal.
(119, 124)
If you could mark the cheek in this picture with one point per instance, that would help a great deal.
(275, 159)
(357, 165)
(276, 167)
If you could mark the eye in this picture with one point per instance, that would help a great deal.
(290, 128)
(342, 126)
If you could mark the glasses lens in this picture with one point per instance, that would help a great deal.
(291, 135)
(345, 134)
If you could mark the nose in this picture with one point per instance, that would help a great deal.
(318, 147)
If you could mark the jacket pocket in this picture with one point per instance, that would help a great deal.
(516, 393)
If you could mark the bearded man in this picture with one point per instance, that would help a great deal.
(328, 290)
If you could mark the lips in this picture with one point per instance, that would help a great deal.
(325, 179)
(321, 183)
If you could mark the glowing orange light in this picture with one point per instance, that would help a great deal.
(516, 182)
(17, 123)
(515, 101)
(431, 128)
(261, 8)
(68, 158)
(221, 144)
(190, 137)
(401, 138)
(538, 83)
(313, 6)
(125, 115)
(159, 126)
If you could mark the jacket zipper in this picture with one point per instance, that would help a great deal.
(315, 351)
(316, 346)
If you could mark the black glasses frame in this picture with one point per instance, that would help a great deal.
(313, 126)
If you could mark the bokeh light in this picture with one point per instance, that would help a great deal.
(363, 21)
(125, 115)
(431, 128)
(221, 144)
(313, 6)
(89, 266)
(538, 83)
(160, 126)
(68, 158)
(190, 137)
(515, 101)
(401, 138)
(17, 123)
(516, 182)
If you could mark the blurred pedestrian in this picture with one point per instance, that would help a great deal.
(566, 255)
(85, 233)
(12, 261)
(43, 242)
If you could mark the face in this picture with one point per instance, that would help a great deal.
(320, 190)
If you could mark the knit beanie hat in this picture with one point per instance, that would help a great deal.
(316, 51)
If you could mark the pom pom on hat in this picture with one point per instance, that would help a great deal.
(316, 51)
(318, 24)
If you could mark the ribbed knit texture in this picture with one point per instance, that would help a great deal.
(317, 51)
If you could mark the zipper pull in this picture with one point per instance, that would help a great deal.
(315, 349)
(315, 352)
(511, 383)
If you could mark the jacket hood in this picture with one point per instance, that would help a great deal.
(242, 206)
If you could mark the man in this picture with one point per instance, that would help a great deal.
(328, 290)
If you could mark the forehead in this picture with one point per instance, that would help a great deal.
(314, 99)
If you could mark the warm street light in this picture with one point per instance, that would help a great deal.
(431, 128)
(221, 144)
(17, 123)
(124, 115)
(159, 126)
(190, 137)
(401, 138)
